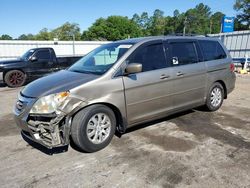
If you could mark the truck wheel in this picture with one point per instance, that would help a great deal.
(14, 78)
(215, 97)
(93, 128)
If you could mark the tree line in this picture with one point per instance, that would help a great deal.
(197, 20)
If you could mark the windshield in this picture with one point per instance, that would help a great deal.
(101, 59)
(27, 55)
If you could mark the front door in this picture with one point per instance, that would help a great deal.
(148, 93)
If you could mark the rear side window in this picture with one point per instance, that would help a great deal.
(182, 53)
(43, 54)
(151, 57)
(212, 50)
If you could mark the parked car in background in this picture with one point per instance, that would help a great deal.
(34, 64)
(122, 84)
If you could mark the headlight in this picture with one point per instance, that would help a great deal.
(49, 104)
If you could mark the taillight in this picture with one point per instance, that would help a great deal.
(232, 67)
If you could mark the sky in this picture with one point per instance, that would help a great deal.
(30, 16)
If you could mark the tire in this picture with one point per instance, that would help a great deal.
(14, 78)
(215, 97)
(89, 131)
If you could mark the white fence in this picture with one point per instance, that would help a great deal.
(238, 42)
(10, 49)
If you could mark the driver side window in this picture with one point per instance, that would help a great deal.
(151, 57)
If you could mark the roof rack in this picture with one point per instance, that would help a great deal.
(187, 35)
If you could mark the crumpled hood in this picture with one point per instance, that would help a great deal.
(55, 83)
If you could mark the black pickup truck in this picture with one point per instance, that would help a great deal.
(34, 64)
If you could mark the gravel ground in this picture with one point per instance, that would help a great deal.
(191, 149)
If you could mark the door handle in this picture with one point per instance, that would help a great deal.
(179, 74)
(163, 76)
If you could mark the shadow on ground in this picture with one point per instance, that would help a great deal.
(204, 124)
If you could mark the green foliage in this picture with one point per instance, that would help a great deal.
(198, 19)
(64, 32)
(243, 17)
(158, 23)
(5, 37)
(67, 31)
(112, 28)
(144, 22)
(44, 34)
(26, 37)
(215, 22)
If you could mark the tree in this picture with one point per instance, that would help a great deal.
(144, 22)
(158, 23)
(175, 24)
(215, 22)
(198, 19)
(113, 28)
(238, 26)
(176, 13)
(26, 37)
(243, 7)
(66, 32)
(5, 37)
(170, 24)
(44, 34)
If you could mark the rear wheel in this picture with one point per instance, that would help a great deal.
(14, 78)
(93, 128)
(215, 97)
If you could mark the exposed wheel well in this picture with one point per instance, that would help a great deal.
(224, 87)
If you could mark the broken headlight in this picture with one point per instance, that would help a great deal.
(49, 104)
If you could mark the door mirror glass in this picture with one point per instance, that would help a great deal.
(175, 61)
(33, 58)
(133, 68)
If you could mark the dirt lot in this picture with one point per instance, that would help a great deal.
(191, 149)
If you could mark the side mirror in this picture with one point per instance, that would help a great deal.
(133, 68)
(33, 58)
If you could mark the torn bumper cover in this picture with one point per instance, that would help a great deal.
(49, 130)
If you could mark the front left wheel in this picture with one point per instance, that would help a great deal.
(14, 78)
(93, 128)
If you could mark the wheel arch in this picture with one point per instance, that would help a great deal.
(121, 122)
(19, 82)
(11, 69)
(224, 87)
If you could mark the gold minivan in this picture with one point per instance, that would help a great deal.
(122, 84)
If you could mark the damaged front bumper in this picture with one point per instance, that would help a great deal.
(49, 130)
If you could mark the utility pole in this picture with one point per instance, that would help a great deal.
(211, 24)
(73, 36)
(185, 24)
(74, 52)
